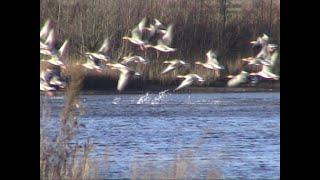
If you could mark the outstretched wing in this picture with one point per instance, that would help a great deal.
(168, 69)
(167, 37)
(212, 58)
(50, 39)
(185, 83)
(105, 46)
(63, 49)
(45, 29)
(142, 24)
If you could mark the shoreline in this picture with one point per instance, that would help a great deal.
(187, 90)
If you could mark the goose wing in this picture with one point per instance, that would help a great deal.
(167, 37)
(157, 23)
(105, 47)
(45, 30)
(168, 69)
(63, 49)
(142, 24)
(123, 80)
(186, 82)
(211, 57)
(50, 41)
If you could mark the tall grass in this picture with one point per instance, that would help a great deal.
(59, 157)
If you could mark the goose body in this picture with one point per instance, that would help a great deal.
(238, 79)
(188, 80)
(266, 73)
(136, 59)
(161, 47)
(256, 61)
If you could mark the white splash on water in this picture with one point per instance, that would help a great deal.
(143, 99)
(56, 97)
(147, 99)
(188, 100)
(116, 100)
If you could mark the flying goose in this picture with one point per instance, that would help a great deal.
(126, 74)
(155, 28)
(136, 59)
(102, 53)
(212, 62)
(263, 41)
(188, 80)
(173, 64)
(238, 79)
(164, 43)
(136, 35)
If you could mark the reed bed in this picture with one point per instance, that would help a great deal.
(226, 26)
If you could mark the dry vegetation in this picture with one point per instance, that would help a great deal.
(199, 25)
(59, 159)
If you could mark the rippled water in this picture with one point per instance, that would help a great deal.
(237, 133)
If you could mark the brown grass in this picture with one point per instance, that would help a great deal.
(199, 25)
(58, 158)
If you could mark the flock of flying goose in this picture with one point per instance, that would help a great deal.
(51, 80)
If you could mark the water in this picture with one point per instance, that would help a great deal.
(236, 133)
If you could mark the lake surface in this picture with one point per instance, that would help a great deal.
(236, 133)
